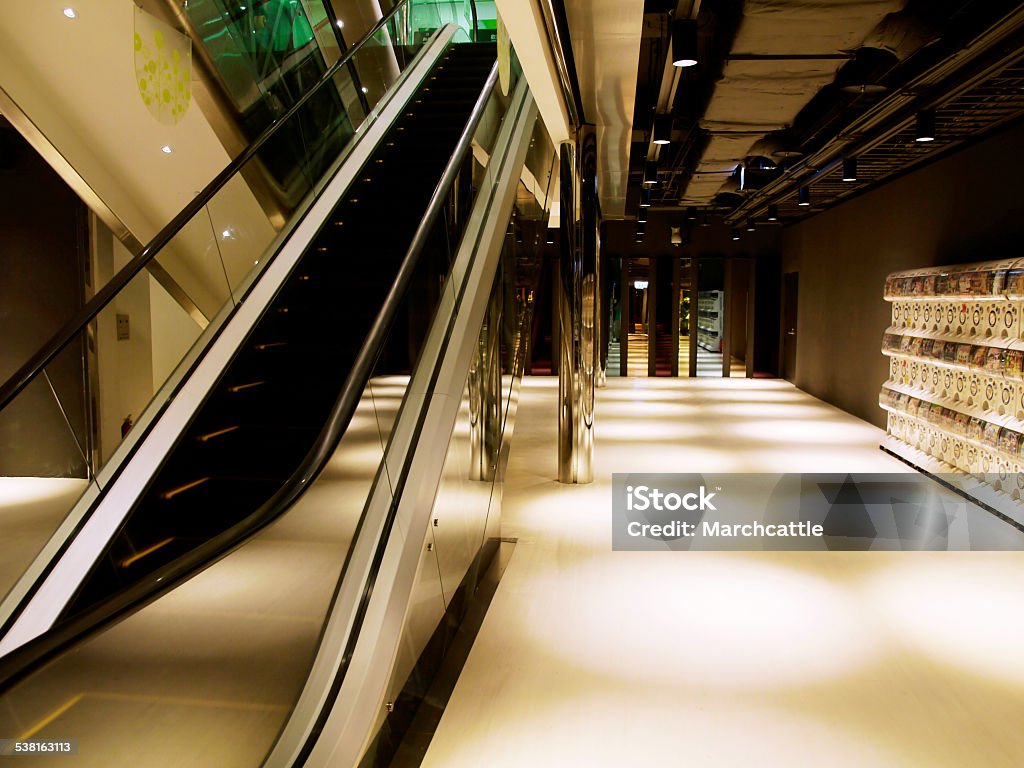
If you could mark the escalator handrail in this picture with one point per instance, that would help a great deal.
(24, 376)
(27, 658)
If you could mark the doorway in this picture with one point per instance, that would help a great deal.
(790, 294)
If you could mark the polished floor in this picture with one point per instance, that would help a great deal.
(31, 508)
(590, 657)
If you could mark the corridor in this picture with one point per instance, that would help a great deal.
(590, 657)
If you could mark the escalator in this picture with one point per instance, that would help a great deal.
(267, 410)
(233, 463)
(352, 398)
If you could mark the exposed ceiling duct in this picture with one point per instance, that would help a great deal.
(784, 52)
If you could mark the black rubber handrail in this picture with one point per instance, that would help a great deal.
(29, 657)
(70, 330)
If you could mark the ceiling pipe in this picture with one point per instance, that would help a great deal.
(897, 111)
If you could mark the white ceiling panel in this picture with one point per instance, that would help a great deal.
(606, 46)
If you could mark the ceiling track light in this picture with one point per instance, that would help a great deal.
(662, 133)
(773, 213)
(651, 173)
(684, 43)
(849, 169)
(803, 197)
(925, 129)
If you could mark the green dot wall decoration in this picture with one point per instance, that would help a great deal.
(163, 68)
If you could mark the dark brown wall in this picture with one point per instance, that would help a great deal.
(966, 207)
(40, 288)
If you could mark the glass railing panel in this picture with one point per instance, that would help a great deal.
(139, 340)
(252, 45)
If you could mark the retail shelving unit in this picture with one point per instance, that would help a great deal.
(709, 320)
(955, 394)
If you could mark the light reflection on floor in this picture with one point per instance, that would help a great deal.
(600, 658)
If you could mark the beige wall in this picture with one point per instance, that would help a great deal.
(964, 208)
(130, 371)
(75, 80)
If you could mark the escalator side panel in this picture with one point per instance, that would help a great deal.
(426, 421)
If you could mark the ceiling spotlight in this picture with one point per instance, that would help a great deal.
(166, 149)
(735, 234)
(750, 225)
(639, 237)
(642, 216)
(691, 213)
(662, 129)
(645, 198)
(706, 221)
(364, 89)
(804, 196)
(925, 125)
(551, 236)
(70, 13)
(340, 23)
(684, 43)
(849, 169)
(773, 213)
(651, 173)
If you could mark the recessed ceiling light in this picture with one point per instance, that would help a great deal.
(364, 89)
(340, 23)
(166, 149)
(70, 13)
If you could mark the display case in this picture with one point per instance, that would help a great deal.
(709, 320)
(955, 394)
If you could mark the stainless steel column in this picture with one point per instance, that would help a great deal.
(577, 308)
(674, 322)
(694, 304)
(485, 391)
(727, 309)
(600, 310)
(652, 317)
(590, 305)
(625, 326)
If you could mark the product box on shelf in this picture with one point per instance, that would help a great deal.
(956, 376)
